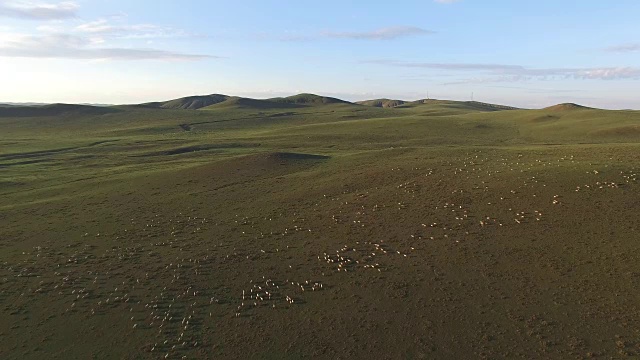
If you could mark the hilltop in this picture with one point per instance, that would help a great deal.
(567, 107)
(308, 99)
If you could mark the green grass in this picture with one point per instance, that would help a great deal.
(437, 230)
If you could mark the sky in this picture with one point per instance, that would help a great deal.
(521, 53)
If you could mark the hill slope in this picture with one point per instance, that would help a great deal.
(189, 102)
(384, 103)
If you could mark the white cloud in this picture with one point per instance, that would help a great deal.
(387, 33)
(103, 27)
(611, 73)
(89, 40)
(37, 10)
(448, 66)
(625, 48)
(70, 46)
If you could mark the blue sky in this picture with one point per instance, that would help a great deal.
(522, 53)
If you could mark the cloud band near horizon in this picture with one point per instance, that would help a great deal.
(504, 72)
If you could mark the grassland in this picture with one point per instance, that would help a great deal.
(309, 227)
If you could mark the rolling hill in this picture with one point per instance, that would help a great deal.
(417, 122)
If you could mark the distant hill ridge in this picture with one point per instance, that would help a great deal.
(54, 110)
(218, 100)
(221, 101)
(214, 101)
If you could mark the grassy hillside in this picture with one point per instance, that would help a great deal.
(482, 232)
